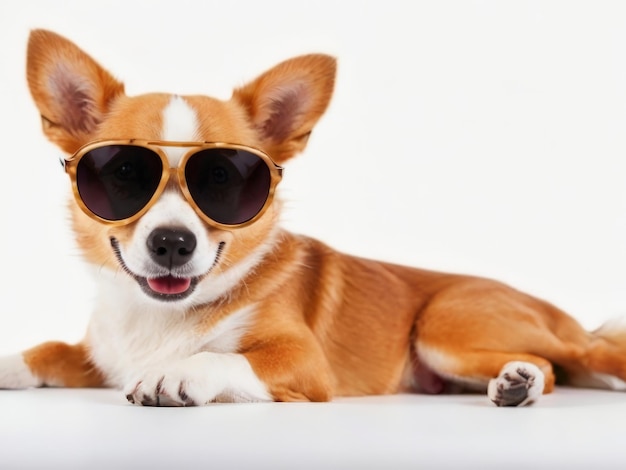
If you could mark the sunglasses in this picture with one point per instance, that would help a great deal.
(117, 181)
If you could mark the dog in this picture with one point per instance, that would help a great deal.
(203, 298)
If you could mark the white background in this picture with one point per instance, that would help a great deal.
(482, 137)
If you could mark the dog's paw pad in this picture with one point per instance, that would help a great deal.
(519, 384)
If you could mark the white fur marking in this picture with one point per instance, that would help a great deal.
(14, 373)
(441, 363)
(225, 336)
(180, 123)
(606, 381)
(127, 339)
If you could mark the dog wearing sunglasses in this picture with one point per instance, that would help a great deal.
(202, 297)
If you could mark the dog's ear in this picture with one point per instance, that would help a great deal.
(286, 102)
(71, 90)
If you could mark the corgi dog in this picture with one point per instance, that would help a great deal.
(202, 297)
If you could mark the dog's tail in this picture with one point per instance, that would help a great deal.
(613, 331)
(605, 358)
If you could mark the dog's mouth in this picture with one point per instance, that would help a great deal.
(169, 285)
(167, 288)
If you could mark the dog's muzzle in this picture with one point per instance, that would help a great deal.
(170, 249)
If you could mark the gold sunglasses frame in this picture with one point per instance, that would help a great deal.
(70, 165)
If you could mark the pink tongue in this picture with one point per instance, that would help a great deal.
(169, 284)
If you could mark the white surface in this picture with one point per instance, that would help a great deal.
(96, 429)
(477, 136)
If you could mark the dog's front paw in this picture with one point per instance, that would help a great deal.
(200, 379)
(519, 384)
(178, 384)
(170, 386)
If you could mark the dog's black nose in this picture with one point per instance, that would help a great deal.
(171, 247)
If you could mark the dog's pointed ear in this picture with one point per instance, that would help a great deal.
(286, 102)
(72, 91)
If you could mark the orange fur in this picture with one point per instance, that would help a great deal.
(327, 324)
(56, 363)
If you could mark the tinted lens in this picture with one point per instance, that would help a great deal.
(230, 186)
(117, 181)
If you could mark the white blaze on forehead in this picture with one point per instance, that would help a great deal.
(180, 124)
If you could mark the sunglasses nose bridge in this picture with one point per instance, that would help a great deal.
(175, 182)
(172, 178)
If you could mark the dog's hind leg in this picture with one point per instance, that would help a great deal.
(510, 379)
(50, 364)
(489, 337)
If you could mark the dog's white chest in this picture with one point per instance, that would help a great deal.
(125, 340)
